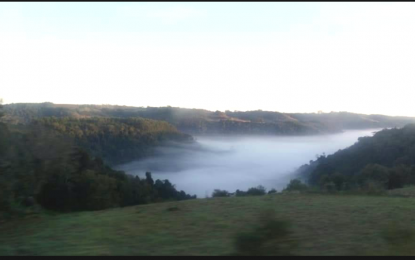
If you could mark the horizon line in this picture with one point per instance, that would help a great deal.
(168, 106)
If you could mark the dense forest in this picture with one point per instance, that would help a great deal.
(384, 161)
(199, 121)
(41, 167)
(116, 140)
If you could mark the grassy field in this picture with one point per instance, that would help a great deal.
(323, 225)
(408, 192)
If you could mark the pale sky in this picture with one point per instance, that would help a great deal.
(287, 57)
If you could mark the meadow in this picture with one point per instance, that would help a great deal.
(322, 225)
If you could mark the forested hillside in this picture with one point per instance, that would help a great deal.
(384, 161)
(198, 121)
(43, 167)
(116, 140)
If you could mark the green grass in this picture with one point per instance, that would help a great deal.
(408, 192)
(323, 225)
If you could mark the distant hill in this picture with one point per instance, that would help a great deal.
(199, 121)
(345, 120)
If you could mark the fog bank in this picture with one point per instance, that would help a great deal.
(242, 162)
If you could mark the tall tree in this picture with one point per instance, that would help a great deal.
(3, 131)
(1, 108)
(149, 179)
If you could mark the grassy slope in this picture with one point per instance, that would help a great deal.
(325, 225)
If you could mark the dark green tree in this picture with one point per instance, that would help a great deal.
(257, 191)
(1, 108)
(220, 193)
(272, 191)
(149, 179)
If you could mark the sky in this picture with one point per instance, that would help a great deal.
(276, 56)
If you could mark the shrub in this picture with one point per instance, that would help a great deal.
(373, 188)
(296, 185)
(240, 193)
(272, 191)
(270, 237)
(220, 193)
(258, 191)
